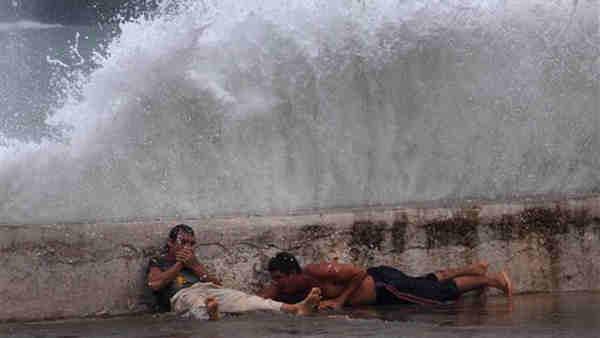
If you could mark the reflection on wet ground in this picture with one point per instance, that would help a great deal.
(536, 315)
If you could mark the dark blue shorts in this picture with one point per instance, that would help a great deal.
(392, 286)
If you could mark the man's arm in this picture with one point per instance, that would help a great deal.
(158, 279)
(190, 261)
(346, 274)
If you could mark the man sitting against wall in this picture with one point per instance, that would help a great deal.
(346, 284)
(183, 284)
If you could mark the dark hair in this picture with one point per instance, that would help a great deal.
(175, 231)
(284, 262)
(180, 228)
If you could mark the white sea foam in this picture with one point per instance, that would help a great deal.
(213, 107)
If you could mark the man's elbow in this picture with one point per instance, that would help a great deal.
(155, 285)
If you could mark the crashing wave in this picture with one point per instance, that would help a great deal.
(216, 107)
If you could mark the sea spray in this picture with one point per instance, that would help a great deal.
(210, 107)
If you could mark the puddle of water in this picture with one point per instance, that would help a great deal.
(536, 315)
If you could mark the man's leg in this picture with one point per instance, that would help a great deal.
(499, 281)
(204, 299)
(234, 301)
(305, 307)
(475, 269)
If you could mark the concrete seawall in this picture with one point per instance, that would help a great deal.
(61, 271)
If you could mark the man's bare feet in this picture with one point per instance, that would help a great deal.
(212, 308)
(506, 283)
(310, 303)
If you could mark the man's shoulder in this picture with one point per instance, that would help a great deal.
(315, 270)
(324, 265)
(328, 269)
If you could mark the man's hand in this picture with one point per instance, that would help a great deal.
(187, 257)
(331, 304)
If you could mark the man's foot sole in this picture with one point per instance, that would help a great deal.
(212, 308)
(507, 283)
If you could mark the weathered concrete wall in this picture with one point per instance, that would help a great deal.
(53, 271)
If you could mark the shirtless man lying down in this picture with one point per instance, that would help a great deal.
(346, 284)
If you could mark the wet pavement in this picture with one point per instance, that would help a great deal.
(534, 315)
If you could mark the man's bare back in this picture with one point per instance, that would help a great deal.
(334, 278)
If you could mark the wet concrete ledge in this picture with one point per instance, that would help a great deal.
(78, 270)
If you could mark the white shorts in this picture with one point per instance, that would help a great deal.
(189, 302)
